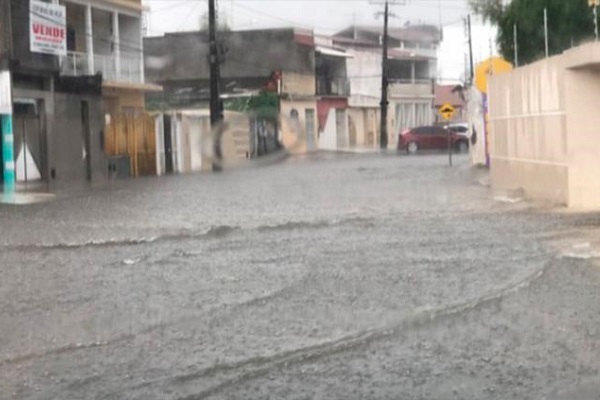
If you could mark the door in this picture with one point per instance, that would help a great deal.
(340, 125)
(309, 120)
(195, 149)
(28, 146)
(168, 144)
(85, 124)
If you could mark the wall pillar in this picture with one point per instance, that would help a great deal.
(8, 158)
(6, 125)
(116, 43)
(89, 39)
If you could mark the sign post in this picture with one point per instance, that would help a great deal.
(447, 112)
(8, 160)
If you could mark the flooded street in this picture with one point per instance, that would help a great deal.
(327, 277)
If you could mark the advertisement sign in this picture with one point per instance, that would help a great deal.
(47, 28)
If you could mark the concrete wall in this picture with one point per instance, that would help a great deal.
(476, 122)
(528, 136)
(583, 144)
(4, 31)
(298, 84)
(364, 70)
(67, 138)
(544, 124)
(424, 90)
(122, 100)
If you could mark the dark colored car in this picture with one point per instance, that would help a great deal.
(431, 138)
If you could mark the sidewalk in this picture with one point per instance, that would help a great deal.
(19, 198)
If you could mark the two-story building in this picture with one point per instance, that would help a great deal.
(76, 65)
(105, 37)
(412, 66)
(57, 120)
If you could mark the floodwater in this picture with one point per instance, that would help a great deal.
(324, 277)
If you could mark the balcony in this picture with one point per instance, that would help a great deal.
(411, 88)
(122, 69)
(333, 87)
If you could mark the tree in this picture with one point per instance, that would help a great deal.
(569, 23)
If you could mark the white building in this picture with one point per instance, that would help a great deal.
(105, 36)
(412, 61)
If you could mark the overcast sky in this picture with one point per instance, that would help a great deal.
(329, 16)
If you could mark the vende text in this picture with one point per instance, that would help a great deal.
(44, 30)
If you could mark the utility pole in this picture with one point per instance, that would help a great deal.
(546, 30)
(383, 137)
(471, 67)
(216, 116)
(515, 45)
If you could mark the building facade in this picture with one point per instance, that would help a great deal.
(57, 120)
(412, 66)
(105, 37)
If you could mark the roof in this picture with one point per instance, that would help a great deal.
(448, 94)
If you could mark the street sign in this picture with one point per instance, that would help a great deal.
(447, 111)
(594, 3)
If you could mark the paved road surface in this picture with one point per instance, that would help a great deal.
(329, 277)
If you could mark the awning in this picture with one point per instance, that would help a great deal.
(332, 52)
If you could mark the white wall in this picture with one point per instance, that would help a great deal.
(476, 125)
(364, 72)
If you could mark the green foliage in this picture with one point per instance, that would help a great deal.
(265, 106)
(570, 22)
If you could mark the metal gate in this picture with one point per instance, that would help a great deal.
(135, 137)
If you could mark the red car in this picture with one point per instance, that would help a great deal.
(431, 138)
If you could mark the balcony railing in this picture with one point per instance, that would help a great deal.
(411, 81)
(333, 87)
(78, 64)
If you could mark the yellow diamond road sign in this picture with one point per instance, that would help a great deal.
(447, 111)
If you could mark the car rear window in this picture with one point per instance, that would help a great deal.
(459, 129)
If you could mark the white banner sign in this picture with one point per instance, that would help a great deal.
(47, 28)
(5, 93)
